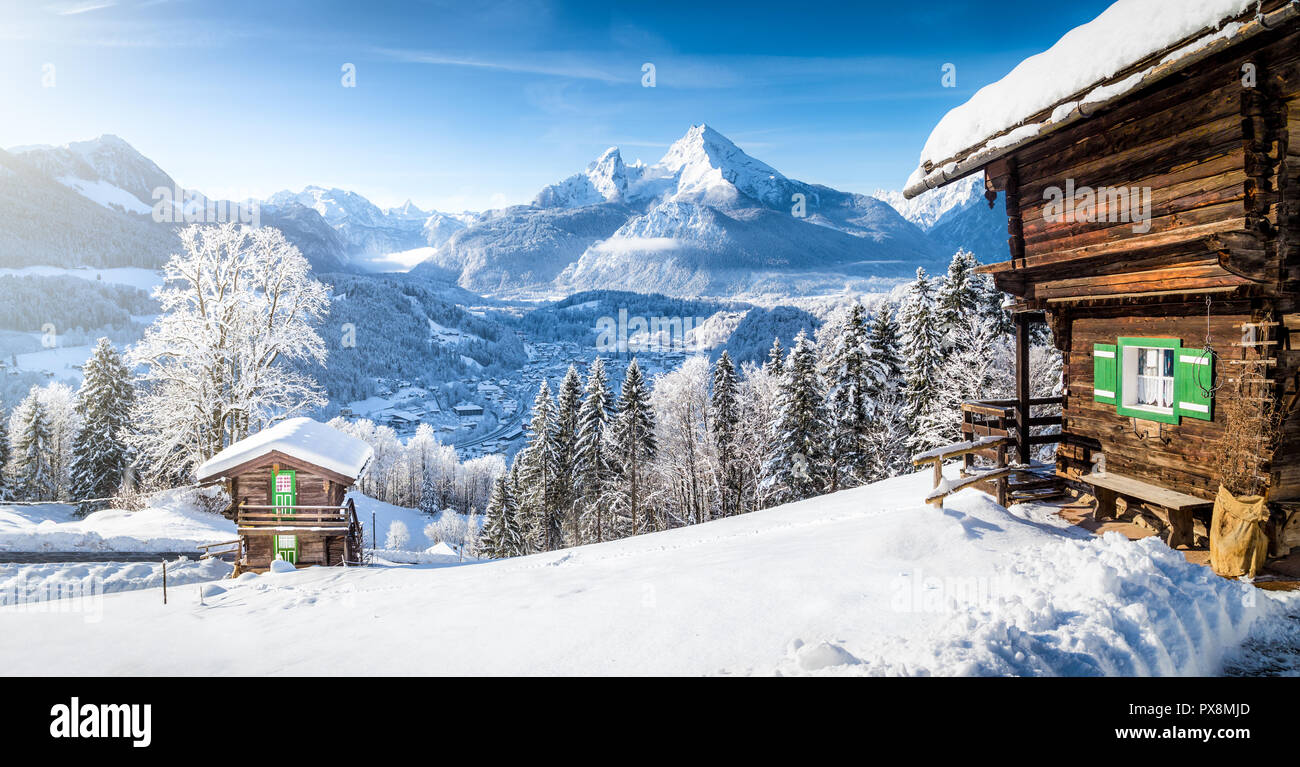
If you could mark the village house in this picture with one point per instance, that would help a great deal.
(1153, 220)
(469, 412)
(288, 487)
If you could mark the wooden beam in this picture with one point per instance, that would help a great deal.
(1022, 387)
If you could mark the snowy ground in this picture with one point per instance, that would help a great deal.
(172, 523)
(29, 584)
(867, 581)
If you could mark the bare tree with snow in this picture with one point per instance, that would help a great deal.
(239, 307)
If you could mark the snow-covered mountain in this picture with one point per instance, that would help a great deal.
(106, 169)
(957, 216)
(90, 203)
(370, 234)
(706, 219)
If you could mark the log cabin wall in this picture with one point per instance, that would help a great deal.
(1179, 456)
(1221, 159)
(253, 486)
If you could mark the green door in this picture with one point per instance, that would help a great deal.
(284, 493)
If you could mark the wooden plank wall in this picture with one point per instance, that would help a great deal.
(1187, 463)
(1206, 146)
(254, 487)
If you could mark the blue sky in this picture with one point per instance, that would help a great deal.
(469, 105)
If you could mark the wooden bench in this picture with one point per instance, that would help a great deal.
(1178, 507)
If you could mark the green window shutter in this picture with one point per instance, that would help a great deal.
(1193, 380)
(1103, 373)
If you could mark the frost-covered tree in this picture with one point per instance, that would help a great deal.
(684, 459)
(632, 447)
(724, 408)
(399, 537)
(239, 310)
(797, 467)
(31, 451)
(775, 364)
(538, 468)
(888, 438)
(100, 454)
(884, 340)
(979, 366)
(501, 536)
(759, 400)
(849, 375)
(591, 465)
(568, 403)
(6, 492)
(958, 297)
(921, 350)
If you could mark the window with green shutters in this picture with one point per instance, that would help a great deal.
(1154, 379)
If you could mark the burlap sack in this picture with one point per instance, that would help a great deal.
(1238, 545)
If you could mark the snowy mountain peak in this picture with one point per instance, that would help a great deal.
(706, 162)
(927, 208)
(409, 211)
(604, 180)
(609, 175)
(336, 206)
(106, 169)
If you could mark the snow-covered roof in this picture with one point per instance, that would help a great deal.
(301, 438)
(1131, 44)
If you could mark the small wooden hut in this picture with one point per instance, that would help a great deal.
(288, 486)
(1150, 163)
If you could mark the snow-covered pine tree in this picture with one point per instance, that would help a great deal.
(537, 474)
(501, 536)
(6, 492)
(633, 445)
(884, 340)
(725, 424)
(958, 297)
(591, 468)
(887, 438)
(31, 459)
(847, 377)
(921, 359)
(100, 454)
(775, 364)
(429, 493)
(565, 438)
(798, 467)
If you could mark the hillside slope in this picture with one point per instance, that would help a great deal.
(866, 581)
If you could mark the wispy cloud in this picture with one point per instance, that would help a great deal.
(540, 64)
(73, 9)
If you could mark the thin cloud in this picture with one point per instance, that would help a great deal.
(539, 65)
(73, 9)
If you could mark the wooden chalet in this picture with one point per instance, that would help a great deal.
(288, 487)
(1153, 221)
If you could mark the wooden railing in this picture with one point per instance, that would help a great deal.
(235, 547)
(251, 517)
(354, 544)
(996, 477)
(1001, 418)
